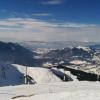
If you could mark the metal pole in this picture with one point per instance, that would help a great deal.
(64, 75)
(97, 74)
(26, 75)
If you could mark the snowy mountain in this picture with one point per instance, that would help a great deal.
(70, 54)
(10, 75)
(63, 51)
(14, 53)
(81, 58)
(84, 48)
(47, 83)
(13, 74)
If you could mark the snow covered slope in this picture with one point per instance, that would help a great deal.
(14, 74)
(40, 75)
(10, 75)
(84, 48)
(52, 91)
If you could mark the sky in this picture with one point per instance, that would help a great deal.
(50, 20)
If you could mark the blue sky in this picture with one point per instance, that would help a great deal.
(50, 20)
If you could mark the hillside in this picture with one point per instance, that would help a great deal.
(14, 53)
(13, 74)
(69, 54)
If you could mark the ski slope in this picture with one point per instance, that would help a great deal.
(52, 91)
(38, 74)
(48, 87)
(14, 74)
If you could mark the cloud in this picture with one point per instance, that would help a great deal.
(42, 14)
(52, 2)
(34, 29)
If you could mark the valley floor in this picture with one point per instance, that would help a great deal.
(52, 91)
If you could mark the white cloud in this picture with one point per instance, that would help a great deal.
(42, 14)
(7, 23)
(33, 29)
(52, 2)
